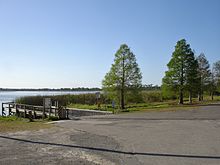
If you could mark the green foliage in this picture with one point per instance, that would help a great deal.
(181, 72)
(63, 100)
(151, 96)
(124, 75)
(216, 74)
(53, 118)
(168, 92)
(103, 107)
(192, 77)
(204, 74)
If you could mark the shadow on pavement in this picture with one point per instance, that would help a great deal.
(113, 151)
(158, 118)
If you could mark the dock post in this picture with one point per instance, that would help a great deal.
(50, 111)
(25, 112)
(17, 111)
(3, 110)
(9, 110)
(55, 111)
(30, 116)
(56, 107)
(67, 113)
(35, 114)
(43, 116)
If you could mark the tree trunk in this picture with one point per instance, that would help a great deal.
(181, 97)
(122, 99)
(212, 96)
(201, 93)
(199, 97)
(190, 97)
(181, 85)
(123, 85)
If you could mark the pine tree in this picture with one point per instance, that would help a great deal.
(123, 75)
(204, 74)
(216, 74)
(212, 84)
(192, 76)
(181, 70)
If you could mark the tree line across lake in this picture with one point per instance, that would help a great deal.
(51, 89)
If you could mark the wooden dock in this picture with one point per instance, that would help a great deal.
(35, 112)
(24, 110)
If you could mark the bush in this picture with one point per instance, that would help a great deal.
(53, 118)
(151, 96)
(90, 99)
(168, 93)
(63, 100)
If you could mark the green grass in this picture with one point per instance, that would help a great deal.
(155, 106)
(10, 118)
(130, 107)
(52, 118)
(14, 124)
(103, 107)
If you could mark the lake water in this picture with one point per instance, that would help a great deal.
(12, 95)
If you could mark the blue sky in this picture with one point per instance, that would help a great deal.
(71, 43)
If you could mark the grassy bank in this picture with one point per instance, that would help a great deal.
(162, 105)
(130, 107)
(63, 100)
(146, 100)
(14, 124)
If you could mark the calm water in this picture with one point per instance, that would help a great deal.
(11, 96)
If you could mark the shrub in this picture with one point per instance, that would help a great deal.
(151, 96)
(53, 118)
(63, 100)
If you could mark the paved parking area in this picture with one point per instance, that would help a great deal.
(179, 137)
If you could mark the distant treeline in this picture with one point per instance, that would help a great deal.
(148, 87)
(51, 89)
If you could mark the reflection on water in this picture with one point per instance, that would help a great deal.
(12, 95)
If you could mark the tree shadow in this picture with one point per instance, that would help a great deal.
(113, 151)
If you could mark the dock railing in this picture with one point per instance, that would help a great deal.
(22, 110)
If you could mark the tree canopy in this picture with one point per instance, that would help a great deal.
(204, 74)
(216, 74)
(123, 75)
(182, 70)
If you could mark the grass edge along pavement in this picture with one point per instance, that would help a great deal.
(154, 106)
(14, 124)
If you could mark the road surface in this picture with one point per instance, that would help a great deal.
(153, 138)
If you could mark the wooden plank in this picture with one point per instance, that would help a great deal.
(20, 109)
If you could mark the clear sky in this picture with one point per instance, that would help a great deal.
(71, 43)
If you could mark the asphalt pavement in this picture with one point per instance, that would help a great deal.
(169, 138)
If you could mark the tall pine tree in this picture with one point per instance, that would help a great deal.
(204, 74)
(123, 75)
(182, 70)
(192, 76)
(216, 73)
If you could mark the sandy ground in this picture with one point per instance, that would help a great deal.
(169, 138)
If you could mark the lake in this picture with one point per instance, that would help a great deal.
(9, 96)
